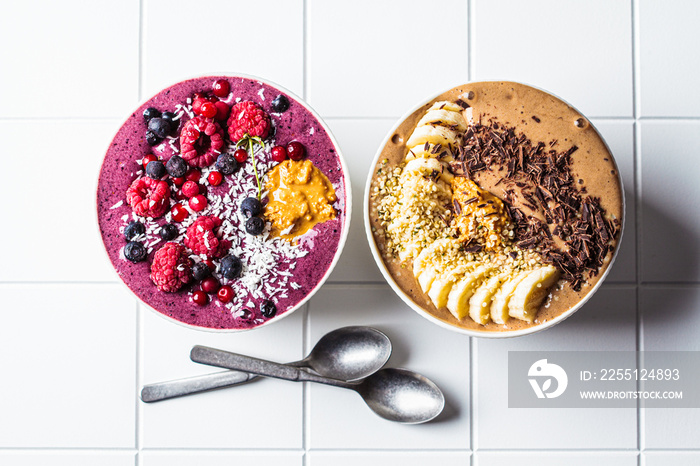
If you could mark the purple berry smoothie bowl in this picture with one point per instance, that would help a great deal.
(276, 276)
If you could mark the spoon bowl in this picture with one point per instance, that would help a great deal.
(401, 395)
(349, 353)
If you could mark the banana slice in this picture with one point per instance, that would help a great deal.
(427, 166)
(479, 303)
(499, 302)
(462, 291)
(530, 293)
(447, 118)
(432, 135)
(426, 256)
(431, 152)
(441, 287)
(446, 105)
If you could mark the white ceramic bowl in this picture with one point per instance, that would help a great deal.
(345, 207)
(419, 309)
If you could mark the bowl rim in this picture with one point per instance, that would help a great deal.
(412, 304)
(347, 204)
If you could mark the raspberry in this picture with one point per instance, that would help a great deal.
(248, 118)
(148, 197)
(170, 268)
(201, 239)
(201, 141)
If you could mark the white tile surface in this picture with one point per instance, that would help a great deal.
(416, 346)
(667, 37)
(676, 458)
(556, 459)
(581, 51)
(605, 323)
(71, 70)
(360, 140)
(66, 231)
(391, 458)
(69, 366)
(670, 232)
(218, 36)
(375, 59)
(670, 322)
(619, 135)
(262, 414)
(68, 458)
(69, 59)
(219, 458)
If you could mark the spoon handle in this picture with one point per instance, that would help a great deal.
(202, 383)
(238, 362)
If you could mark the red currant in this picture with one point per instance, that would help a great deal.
(210, 285)
(147, 159)
(197, 103)
(179, 181)
(222, 110)
(210, 264)
(198, 203)
(215, 178)
(208, 110)
(193, 175)
(179, 213)
(225, 294)
(200, 298)
(221, 88)
(241, 155)
(190, 189)
(279, 154)
(295, 150)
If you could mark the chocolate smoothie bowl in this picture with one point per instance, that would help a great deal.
(223, 202)
(494, 209)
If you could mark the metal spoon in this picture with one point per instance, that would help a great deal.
(394, 394)
(347, 353)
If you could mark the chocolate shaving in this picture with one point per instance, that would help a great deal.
(536, 119)
(462, 103)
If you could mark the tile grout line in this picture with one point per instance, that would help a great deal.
(306, 330)
(306, 393)
(139, 377)
(304, 50)
(139, 347)
(636, 170)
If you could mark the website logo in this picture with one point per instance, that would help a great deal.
(544, 372)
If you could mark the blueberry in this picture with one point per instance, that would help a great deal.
(168, 232)
(246, 314)
(251, 207)
(280, 104)
(133, 229)
(173, 122)
(254, 225)
(135, 251)
(155, 169)
(200, 271)
(150, 113)
(268, 309)
(159, 126)
(226, 164)
(231, 267)
(152, 139)
(176, 166)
